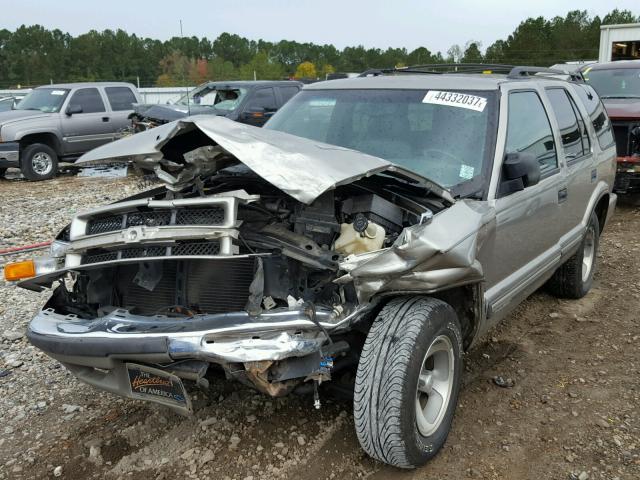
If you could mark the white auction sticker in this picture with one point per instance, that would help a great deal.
(456, 99)
(57, 92)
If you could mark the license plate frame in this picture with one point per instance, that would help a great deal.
(158, 386)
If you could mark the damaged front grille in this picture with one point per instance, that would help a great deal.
(208, 248)
(211, 216)
(627, 141)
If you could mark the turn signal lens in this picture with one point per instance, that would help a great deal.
(19, 270)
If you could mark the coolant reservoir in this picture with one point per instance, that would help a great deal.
(352, 241)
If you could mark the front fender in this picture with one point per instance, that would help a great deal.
(20, 130)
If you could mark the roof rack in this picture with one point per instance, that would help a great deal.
(512, 72)
(440, 68)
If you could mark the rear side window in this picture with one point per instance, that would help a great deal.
(88, 99)
(120, 98)
(568, 122)
(263, 98)
(529, 130)
(287, 93)
(597, 114)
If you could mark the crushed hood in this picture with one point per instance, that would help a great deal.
(302, 168)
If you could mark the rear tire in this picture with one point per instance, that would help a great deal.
(408, 381)
(574, 278)
(38, 162)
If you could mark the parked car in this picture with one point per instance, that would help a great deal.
(375, 228)
(250, 102)
(9, 102)
(61, 122)
(618, 84)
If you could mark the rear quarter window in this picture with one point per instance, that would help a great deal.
(597, 114)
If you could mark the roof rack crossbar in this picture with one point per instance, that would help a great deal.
(512, 72)
(520, 72)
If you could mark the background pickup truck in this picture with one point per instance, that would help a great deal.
(62, 121)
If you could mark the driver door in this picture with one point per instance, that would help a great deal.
(529, 223)
(89, 128)
(260, 107)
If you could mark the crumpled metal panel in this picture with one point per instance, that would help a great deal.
(427, 257)
(303, 168)
(278, 346)
(299, 167)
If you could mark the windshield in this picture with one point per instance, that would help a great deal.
(6, 104)
(46, 100)
(615, 82)
(444, 136)
(221, 98)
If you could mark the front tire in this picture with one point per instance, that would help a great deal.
(38, 162)
(408, 381)
(574, 278)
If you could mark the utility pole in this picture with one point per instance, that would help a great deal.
(184, 82)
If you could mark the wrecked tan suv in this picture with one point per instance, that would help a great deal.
(377, 224)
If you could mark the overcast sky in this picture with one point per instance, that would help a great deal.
(372, 23)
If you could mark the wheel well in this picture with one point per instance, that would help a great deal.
(47, 138)
(601, 211)
(466, 300)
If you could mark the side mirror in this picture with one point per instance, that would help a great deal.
(73, 109)
(519, 171)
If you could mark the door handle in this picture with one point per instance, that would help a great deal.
(562, 194)
(105, 119)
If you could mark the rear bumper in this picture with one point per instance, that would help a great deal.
(9, 154)
(226, 338)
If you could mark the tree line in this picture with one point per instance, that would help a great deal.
(33, 55)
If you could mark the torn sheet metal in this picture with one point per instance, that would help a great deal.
(107, 171)
(425, 258)
(299, 167)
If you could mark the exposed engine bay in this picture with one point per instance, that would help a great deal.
(228, 265)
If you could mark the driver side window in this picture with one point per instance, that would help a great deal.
(88, 99)
(529, 130)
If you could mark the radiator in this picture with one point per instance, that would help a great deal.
(206, 286)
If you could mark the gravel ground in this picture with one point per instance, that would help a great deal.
(573, 411)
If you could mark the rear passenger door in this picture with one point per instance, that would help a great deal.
(260, 107)
(89, 127)
(121, 100)
(576, 150)
(528, 222)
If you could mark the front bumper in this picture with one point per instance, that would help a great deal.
(627, 175)
(235, 337)
(9, 154)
